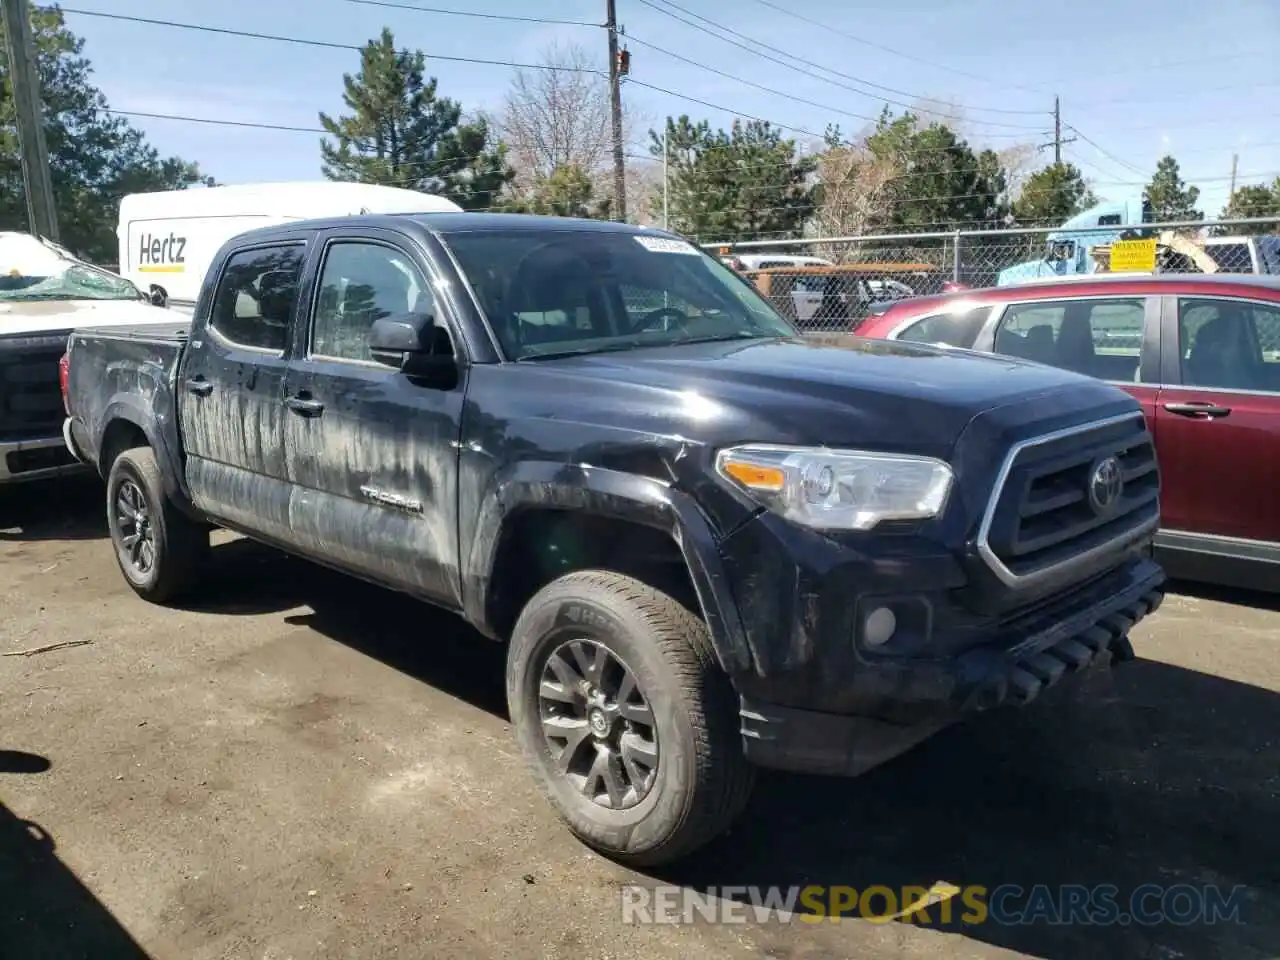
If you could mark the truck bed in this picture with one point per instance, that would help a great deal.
(166, 331)
(123, 370)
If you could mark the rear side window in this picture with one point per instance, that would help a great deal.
(256, 294)
(958, 329)
(1097, 337)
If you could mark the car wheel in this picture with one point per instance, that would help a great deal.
(159, 548)
(628, 722)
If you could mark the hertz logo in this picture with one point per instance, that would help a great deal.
(162, 254)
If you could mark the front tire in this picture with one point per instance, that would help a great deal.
(625, 718)
(159, 548)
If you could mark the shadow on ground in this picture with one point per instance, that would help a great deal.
(1236, 596)
(1148, 774)
(1145, 774)
(65, 508)
(413, 637)
(45, 911)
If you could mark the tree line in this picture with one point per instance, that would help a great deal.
(548, 150)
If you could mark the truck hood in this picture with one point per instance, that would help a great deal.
(55, 316)
(887, 393)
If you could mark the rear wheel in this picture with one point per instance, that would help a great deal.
(159, 548)
(625, 717)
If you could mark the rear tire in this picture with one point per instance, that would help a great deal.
(158, 548)
(646, 765)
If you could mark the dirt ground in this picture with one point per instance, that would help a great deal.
(309, 767)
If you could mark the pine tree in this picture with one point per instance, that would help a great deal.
(1052, 195)
(1170, 198)
(401, 133)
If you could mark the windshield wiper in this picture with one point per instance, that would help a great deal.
(552, 355)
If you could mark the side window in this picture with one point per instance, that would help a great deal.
(254, 300)
(1229, 344)
(953, 329)
(361, 283)
(1096, 337)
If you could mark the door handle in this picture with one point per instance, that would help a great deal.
(304, 406)
(1198, 408)
(199, 386)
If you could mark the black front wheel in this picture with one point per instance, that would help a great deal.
(159, 548)
(626, 719)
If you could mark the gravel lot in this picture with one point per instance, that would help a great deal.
(309, 767)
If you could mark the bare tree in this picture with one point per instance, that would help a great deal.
(853, 192)
(558, 117)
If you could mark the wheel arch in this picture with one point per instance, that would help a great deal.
(631, 524)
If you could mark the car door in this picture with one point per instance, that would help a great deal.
(231, 397)
(1219, 420)
(373, 453)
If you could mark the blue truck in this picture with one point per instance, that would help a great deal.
(1066, 250)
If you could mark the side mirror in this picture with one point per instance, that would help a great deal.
(157, 296)
(408, 342)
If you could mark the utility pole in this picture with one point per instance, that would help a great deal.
(1058, 139)
(24, 77)
(1235, 160)
(615, 95)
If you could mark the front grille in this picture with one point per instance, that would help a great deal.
(1074, 494)
(30, 397)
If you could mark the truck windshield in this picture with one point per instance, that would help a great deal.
(31, 270)
(558, 292)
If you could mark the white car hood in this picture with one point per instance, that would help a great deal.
(54, 316)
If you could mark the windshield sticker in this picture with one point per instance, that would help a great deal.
(663, 245)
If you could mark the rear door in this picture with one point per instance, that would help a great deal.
(232, 391)
(1219, 420)
(1112, 338)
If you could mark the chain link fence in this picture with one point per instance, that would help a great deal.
(827, 285)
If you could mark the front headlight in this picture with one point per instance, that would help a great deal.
(838, 489)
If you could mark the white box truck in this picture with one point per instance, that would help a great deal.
(168, 238)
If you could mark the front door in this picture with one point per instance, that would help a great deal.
(373, 453)
(1219, 419)
(231, 395)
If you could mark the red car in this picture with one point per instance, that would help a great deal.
(1201, 353)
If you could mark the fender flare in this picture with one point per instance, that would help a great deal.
(134, 411)
(623, 496)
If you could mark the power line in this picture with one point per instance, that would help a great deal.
(632, 38)
(1106, 153)
(328, 44)
(809, 73)
(287, 128)
(511, 18)
(892, 201)
(827, 28)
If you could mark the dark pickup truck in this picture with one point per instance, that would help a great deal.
(710, 545)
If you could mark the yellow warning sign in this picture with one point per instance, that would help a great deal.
(1133, 256)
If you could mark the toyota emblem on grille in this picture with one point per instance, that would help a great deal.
(1105, 484)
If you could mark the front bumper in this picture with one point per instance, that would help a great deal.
(790, 738)
(40, 459)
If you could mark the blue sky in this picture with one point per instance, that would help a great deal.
(1137, 78)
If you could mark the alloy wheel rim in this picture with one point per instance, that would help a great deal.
(598, 724)
(134, 528)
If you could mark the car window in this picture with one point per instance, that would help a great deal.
(953, 329)
(1229, 344)
(253, 302)
(361, 283)
(1097, 337)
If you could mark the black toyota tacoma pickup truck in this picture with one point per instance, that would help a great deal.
(710, 545)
